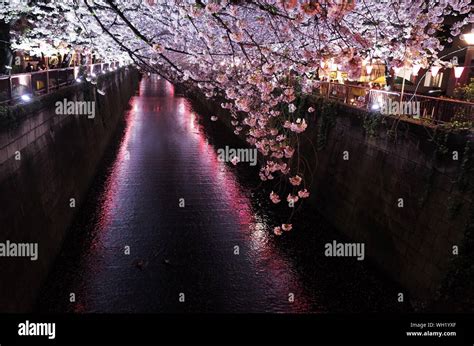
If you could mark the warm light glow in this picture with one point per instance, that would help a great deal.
(369, 69)
(434, 70)
(416, 69)
(469, 38)
(458, 71)
(24, 79)
(62, 51)
(169, 88)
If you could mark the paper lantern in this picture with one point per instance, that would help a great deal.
(416, 68)
(458, 71)
(434, 70)
(469, 38)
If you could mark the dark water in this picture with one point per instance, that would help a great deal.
(165, 154)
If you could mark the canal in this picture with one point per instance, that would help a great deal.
(134, 248)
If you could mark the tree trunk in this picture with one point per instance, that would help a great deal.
(6, 55)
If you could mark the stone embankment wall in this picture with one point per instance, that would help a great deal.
(402, 188)
(47, 162)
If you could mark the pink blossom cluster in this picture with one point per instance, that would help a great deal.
(257, 57)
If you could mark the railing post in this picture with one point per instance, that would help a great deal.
(47, 81)
(434, 111)
(10, 88)
(30, 82)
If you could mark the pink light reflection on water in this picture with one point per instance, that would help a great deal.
(108, 205)
(169, 89)
(257, 231)
(267, 262)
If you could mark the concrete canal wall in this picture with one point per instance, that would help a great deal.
(401, 188)
(47, 163)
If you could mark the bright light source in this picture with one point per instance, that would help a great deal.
(25, 97)
(458, 71)
(416, 69)
(8, 67)
(78, 80)
(375, 106)
(369, 69)
(469, 38)
(434, 70)
(93, 74)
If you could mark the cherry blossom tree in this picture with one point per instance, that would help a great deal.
(258, 57)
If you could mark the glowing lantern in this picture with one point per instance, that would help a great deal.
(469, 38)
(416, 68)
(369, 69)
(458, 71)
(434, 70)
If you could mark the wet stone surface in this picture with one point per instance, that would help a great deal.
(163, 155)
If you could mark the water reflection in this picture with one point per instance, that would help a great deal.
(218, 249)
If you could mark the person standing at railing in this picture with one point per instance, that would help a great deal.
(29, 68)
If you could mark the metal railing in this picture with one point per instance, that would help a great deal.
(432, 109)
(13, 87)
